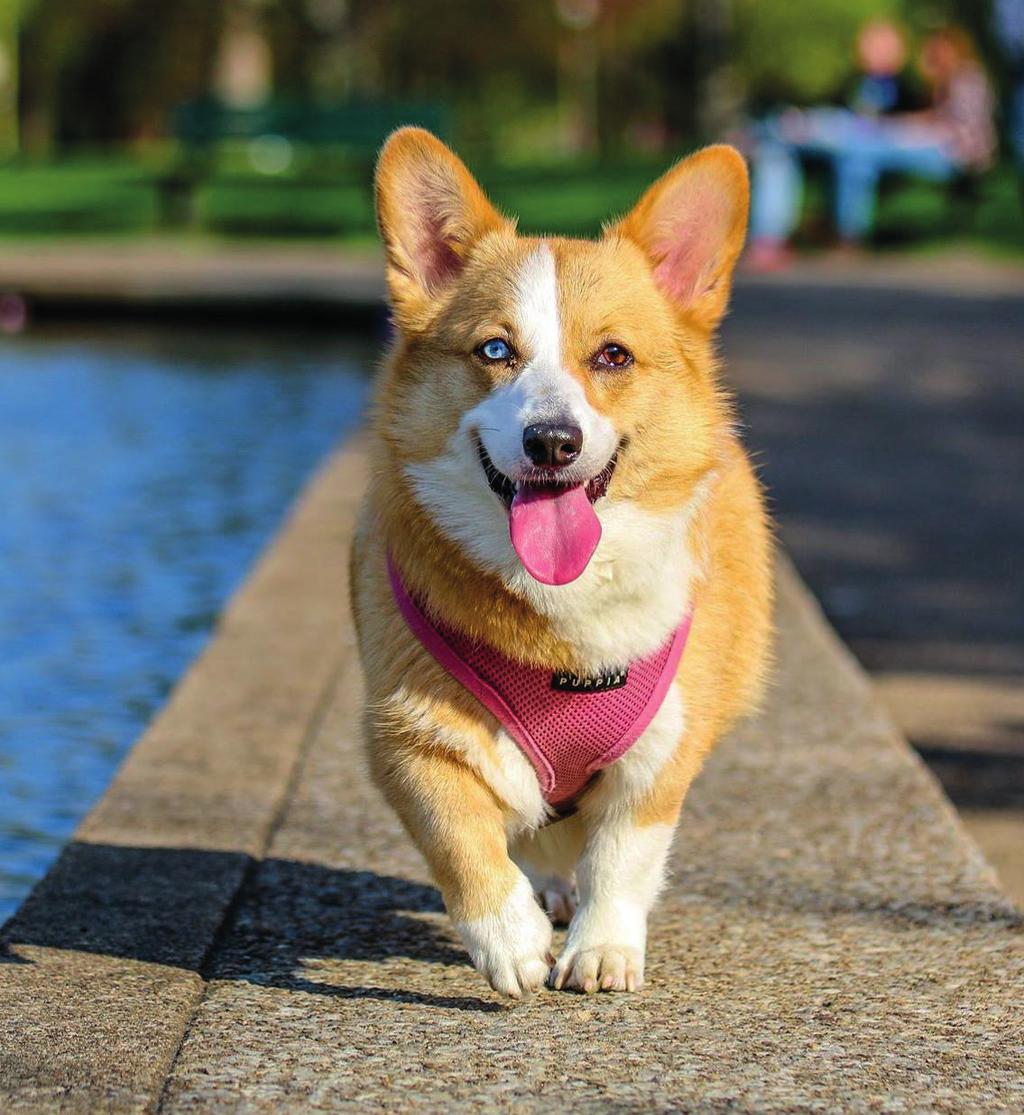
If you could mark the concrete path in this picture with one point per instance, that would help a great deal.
(179, 273)
(241, 926)
(887, 420)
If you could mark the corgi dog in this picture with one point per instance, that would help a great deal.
(561, 577)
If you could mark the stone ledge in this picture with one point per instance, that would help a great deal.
(240, 924)
(164, 274)
(100, 969)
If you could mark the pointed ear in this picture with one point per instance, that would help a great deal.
(691, 223)
(430, 212)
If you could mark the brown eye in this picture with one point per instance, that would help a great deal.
(613, 356)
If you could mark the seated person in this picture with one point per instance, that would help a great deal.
(953, 135)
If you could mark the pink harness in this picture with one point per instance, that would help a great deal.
(569, 727)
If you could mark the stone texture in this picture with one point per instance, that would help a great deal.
(99, 970)
(883, 403)
(160, 274)
(830, 938)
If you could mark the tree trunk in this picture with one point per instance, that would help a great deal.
(9, 84)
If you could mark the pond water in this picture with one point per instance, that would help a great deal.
(141, 472)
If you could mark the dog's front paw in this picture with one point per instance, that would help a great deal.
(601, 968)
(511, 949)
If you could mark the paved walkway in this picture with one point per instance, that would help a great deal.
(177, 272)
(241, 926)
(887, 417)
(184, 275)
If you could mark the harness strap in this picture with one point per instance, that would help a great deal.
(568, 727)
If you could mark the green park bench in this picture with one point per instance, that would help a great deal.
(351, 131)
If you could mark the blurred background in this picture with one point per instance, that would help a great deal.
(259, 118)
(190, 314)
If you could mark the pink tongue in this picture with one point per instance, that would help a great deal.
(554, 531)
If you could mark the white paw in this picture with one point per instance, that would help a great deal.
(601, 968)
(511, 949)
(558, 897)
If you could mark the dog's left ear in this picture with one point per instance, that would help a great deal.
(692, 223)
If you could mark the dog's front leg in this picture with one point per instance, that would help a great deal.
(628, 819)
(619, 875)
(459, 826)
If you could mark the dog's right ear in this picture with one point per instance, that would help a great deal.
(430, 212)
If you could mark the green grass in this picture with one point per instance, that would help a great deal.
(84, 197)
(322, 197)
(244, 208)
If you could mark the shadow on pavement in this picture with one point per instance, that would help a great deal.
(887, 425)
(291, 922)
(165, 905)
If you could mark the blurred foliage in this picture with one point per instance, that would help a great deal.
(570, 106)
(800, 53)
(95, 71)
(526, 78)
(324, 199)
(78, 196)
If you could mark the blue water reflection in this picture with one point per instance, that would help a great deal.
(140, 474)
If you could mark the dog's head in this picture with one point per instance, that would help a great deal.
(543, 391)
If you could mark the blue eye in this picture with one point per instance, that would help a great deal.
(496, 350)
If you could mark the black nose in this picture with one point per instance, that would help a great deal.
(552, 444)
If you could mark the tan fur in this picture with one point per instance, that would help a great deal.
(682, 448)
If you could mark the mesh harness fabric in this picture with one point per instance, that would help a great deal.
(568, 734)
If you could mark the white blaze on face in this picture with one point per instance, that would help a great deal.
(543, 391)
(537, 319)
(635, 590)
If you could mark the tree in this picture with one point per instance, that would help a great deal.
(9, 81)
